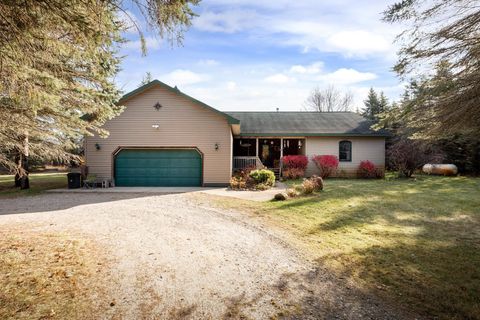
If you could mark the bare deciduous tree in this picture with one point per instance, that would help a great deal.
(407, 155)
(329, 99)
(147, 78)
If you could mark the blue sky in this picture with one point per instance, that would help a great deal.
(248, 55)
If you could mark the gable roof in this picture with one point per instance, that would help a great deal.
(304, 124)
(131, 94)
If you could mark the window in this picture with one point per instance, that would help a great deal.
(345, 151)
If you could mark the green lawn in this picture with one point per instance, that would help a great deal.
(39, 182)
(414, 242)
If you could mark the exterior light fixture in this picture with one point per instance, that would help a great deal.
(155, 126)
(97, 146)
(216, 146)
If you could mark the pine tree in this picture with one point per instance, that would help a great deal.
(59, 59)
(383, 104)
(375, 105)
(441, 32)
(372, 104)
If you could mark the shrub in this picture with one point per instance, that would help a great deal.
(298, 162)
(237, 183)
(407, 155)
(294, 166)
(262, 186)
(327, 164)
(308, 186)
(298, 188)
(292, 193)
(367, 169)
(241, 179)
(244, 173)
(380, 173)
(317, 182)
(293, 173)
(263, 178)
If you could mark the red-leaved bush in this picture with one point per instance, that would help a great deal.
(367, 169)
(327, 164)
(293, 173)
(294, 166)
(299, 162)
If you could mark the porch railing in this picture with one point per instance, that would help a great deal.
(240, 163)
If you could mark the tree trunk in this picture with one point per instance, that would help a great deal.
(21, 178)
(17, 181)
(17, 175)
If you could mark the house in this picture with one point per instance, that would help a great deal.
(167, 138)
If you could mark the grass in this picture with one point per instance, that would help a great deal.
(48, 276)
(39, 182)
(413, 242)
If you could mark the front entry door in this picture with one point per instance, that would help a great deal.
(269, 152)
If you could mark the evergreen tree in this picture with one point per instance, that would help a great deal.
(372, 106)
(441, 32)
(59, 59)
(375, 105)
(383, 104)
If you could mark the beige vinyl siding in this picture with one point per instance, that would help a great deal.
(182, 123)
(363, 148)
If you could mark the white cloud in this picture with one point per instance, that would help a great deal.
(184, 77)
(268, 53)
(348, 27)
(278, 78)
(359, 42)
(313, 68)
(268, 89)
(344, 76)
(231, 85)
(208, 62)
(335, 38)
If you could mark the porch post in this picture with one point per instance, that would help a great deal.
(256, 147)
(281, 156)
(281, 148)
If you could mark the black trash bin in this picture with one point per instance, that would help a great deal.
(74, 180)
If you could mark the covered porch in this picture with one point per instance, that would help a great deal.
(265, 151)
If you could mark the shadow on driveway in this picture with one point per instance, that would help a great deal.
(62, 201)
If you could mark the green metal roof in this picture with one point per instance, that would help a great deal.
(231, 120)
(304, 124)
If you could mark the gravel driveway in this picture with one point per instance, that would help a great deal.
(174, 258)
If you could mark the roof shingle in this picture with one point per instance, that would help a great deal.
(304, 124)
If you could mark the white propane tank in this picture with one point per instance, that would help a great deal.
(440, 169)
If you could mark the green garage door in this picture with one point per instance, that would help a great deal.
(162, 168)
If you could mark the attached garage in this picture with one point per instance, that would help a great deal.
(163, 138)
(158, 167)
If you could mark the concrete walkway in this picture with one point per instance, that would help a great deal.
(251, 195)
(265, 195)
